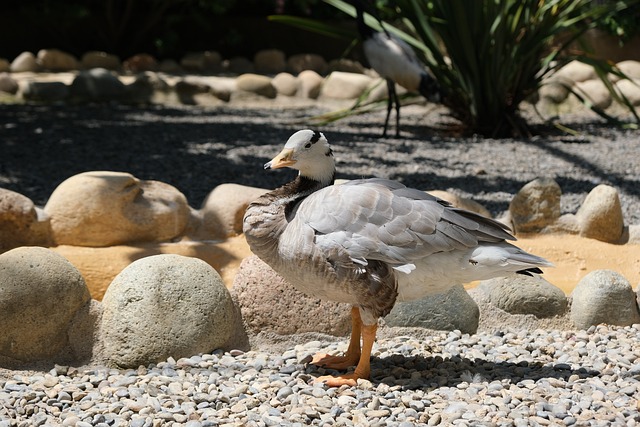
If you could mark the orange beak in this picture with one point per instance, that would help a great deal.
(282, 160)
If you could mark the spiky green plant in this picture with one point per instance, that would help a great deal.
(490, 55)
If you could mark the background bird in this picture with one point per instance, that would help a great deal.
(396, 62)
(369, 243)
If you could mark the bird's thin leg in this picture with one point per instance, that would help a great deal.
(352, 355)
(363, 369)
(397, 101)
(391, 90)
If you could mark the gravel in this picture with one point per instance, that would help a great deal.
(502, 378)
(510, 378)
(196, 148)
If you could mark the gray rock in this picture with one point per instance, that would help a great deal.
(162, 306)
(21, 223)
(603, 296)
(452, 310)
(97, 84)
(84, 333)
(600, 216)
(39, 296)
(270, 304)
(520, 294)
(45, 91)
(145, 86)
(536, 205)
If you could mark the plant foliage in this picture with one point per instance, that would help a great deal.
(490, 55)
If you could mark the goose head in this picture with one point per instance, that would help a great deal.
(308, 152)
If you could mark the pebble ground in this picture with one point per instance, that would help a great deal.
(517, 378)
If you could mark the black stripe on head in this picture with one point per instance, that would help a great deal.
(329, 153)
(316, 136)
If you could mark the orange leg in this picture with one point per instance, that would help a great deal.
(352, 356)
(363, 369)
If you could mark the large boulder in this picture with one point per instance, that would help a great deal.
(40, 292)
(270, 61)
(24, 62)
(600, 216)
(109, 208)
(525, 295)
(99, 59)
(21, 223)
(270, 304)
(536, 205)
(162, 306)
(285, 83)
(449, 311)
(603, 296)
(310, 84)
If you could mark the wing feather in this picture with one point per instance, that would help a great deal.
(377, 219)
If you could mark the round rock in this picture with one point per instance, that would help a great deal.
(600, 216)
(603, 296)
(112, 208)
(449, 311)
(21, 224)
(165, 305)
(536, 205)
(40, 293)
(269, 303)
(223, 210)
(525, 295)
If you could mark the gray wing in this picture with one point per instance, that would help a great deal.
(384, 220)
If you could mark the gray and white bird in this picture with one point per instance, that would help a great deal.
(370, 243)
(396, 62)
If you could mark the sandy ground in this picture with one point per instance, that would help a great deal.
(573, 256)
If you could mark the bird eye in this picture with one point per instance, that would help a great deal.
(308, 145)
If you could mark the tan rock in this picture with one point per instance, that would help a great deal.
(8, 84)
(310, 84)
(286, 84)
(269, 304)
(631, 90)
(341, 85)
(346, 65)
(461, 202)
(223, 210)
(307, 61)
(21, 223)
(536, 205)
(5, 65)
(98, 59)
(600, 216)
(26, 61)
(257, 84)
(630, 68)
(270, 61)
(56, 60)
(596, 92)
(140, 62)
(577, 71)
(104, 208)
(40, 294)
